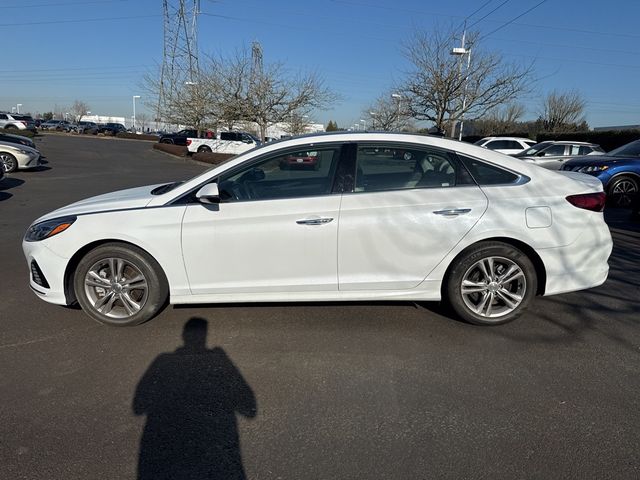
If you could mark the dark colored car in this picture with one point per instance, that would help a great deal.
(112, 128)
(84, 127)
(301, 160)
(179, 138)
(618, 170)
(19, 139)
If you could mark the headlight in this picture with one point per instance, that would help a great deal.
(593, 168)
(48, 228)
(24, 152)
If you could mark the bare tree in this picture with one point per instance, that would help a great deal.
(264, 93)
(562, 112)
(236, 89)
(297, 124)
(501, 120)
(79, 109)
(439, 81)
(388, 112)
(143, 120)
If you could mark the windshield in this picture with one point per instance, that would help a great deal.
(535, 149)
(629, 150)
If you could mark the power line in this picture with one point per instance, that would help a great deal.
(75, 4)
(482, 18)
(83, 20)
(514, 19)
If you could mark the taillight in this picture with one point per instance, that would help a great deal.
(188, 142)
(589, 201)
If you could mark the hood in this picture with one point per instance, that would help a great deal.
(17, 146)
(131, 198)
(597, 160)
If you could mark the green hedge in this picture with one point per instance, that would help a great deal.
(15, 131)
(608, 139)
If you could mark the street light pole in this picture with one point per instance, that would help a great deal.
(398, 97)
(134, 111)
(460, 51)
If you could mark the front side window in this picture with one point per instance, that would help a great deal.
(554, 150)
(296, 173)
(396, 167)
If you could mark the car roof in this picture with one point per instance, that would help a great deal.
(523, 139)
(570, 142)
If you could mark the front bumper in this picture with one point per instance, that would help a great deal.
(51, 267)
(26, 161)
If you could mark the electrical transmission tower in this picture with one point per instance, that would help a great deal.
(180, 53)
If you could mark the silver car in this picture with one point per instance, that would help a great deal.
(552, 154)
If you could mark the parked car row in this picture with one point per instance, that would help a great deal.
(83, 127)
(17, 152)
(618, 170)
(15, 121)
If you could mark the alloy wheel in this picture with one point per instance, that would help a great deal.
(493, 287)
(623, 192)
(116, 288)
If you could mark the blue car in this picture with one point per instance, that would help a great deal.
(618, 170)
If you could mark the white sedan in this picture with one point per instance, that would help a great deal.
(14, 156)
(380, 217)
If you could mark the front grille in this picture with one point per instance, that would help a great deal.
(37, 275)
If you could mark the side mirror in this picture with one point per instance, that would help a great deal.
(209, 193)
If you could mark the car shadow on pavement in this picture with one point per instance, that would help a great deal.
(10, 182)
(5, 196)
(191, 397)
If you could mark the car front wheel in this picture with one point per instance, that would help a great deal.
(8, 162)
(622, 191)
(204, 149)
(491, 284)
(120, 285)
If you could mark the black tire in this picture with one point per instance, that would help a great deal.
(204, 149)
(8, 162)
(11, 127)
(150, 302)
(166, 140)
(622, 191)
(467, 266)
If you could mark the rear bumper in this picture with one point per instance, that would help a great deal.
(582, 264)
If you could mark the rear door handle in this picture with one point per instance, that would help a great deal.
(314, 221)
(452, 212)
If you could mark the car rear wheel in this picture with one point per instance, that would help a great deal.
(8, 162)
(623, 191)
(120, 285)
(204, 149)
(166, 140)
(491, 284)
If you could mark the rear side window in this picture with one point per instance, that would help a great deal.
(485, 174)
(504, 145)
(383, 167)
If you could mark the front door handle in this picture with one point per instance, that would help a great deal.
(314, 221)
(452, 212)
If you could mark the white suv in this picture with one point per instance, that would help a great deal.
(15, 121)
(506, 145)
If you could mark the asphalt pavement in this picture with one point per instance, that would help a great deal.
(305, 391)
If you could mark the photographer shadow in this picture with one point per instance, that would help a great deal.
(191, 397)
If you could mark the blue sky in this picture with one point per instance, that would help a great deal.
(56, 51)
